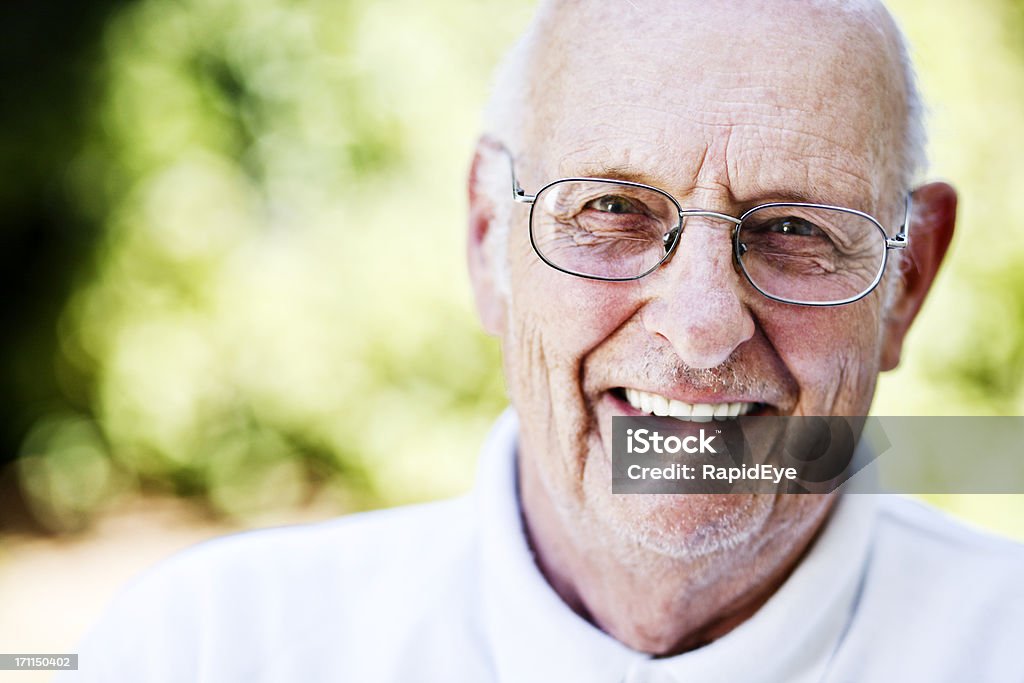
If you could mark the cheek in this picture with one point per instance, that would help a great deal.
(832, 352)
(560, 317)
(554, 321)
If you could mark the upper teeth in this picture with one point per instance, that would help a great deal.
(701, 412)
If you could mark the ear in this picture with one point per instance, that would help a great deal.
(483, 231)
(931, 229)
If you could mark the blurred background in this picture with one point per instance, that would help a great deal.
(232, 290)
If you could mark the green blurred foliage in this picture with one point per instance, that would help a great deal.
(965, 355)
(48, 54)
(278, 310)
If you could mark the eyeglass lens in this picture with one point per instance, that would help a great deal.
(617, 231)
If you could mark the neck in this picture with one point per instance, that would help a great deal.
(646, 600)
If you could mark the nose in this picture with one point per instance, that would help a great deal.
(695, 300)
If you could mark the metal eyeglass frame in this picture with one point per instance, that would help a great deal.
(900, 240)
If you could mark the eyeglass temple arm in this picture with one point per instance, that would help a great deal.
(518, 194)
(902, 237)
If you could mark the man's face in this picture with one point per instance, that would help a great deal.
(726, 106)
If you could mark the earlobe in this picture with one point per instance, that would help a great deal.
(480, 248)
(931, 230)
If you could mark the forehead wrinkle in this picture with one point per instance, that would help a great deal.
(573, 61)
(808, 169)
(816, 166)
(685, 142)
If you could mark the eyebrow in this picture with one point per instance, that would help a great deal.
(627, 173)
(634, 175)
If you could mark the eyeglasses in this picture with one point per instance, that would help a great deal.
(792, 252)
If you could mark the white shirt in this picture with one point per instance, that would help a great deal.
(890, 591)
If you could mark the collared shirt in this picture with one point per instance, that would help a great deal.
(890, 591)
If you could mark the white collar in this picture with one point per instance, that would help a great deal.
(535, 636)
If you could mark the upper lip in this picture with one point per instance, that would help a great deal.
(694, 397)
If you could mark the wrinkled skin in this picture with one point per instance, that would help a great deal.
(724, 105)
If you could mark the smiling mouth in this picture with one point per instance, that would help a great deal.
(656, 404)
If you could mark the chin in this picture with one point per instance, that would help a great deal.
(687, 526)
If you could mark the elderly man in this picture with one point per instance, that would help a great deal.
(692, 209)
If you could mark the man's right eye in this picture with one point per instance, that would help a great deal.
(793, 226)
(614, 203)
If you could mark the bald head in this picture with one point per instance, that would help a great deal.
(720, 65)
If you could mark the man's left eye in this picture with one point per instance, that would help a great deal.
(796, 227)
(614, 204)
